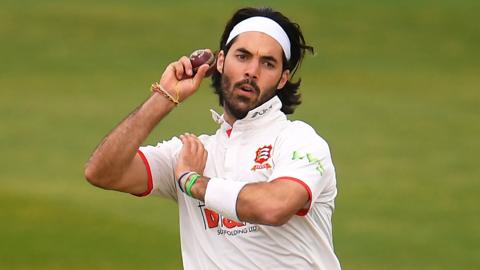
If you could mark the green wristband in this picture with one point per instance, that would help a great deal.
(190, 183)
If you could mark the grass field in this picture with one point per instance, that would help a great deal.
(394, 87)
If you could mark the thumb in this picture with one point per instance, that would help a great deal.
(200, 75)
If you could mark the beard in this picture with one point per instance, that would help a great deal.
(239, 105)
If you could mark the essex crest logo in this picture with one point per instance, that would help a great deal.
(262, 156)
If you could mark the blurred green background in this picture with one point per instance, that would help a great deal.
(394, 87)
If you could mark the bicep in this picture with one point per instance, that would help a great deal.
(135, 179)
(294, 191)
(272, 203)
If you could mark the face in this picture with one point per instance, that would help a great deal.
(251, 73)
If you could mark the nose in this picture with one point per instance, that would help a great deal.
(252, 70)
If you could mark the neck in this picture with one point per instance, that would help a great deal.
(230, 119)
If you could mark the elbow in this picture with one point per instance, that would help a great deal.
(271, 213)
(276, 218)
(273, 216)
(267, 208)
(93, 177)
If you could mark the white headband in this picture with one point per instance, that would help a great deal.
(264, 25)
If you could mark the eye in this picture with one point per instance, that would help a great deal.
(269, 64)
(241, 56)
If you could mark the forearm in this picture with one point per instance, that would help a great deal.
(117, 150)
(255, 203)
(264, 203)
(270, 203)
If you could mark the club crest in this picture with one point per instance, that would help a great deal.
(262, 156)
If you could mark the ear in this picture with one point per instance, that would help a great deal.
(284, 79)
(220, 61)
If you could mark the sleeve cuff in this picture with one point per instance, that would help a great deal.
(303, 211)
(149, 174)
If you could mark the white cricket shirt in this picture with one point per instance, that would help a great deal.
(259, 148)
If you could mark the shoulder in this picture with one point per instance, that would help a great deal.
(298, 125)
(301, 133)
(300, 139)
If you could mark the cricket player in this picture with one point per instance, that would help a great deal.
(257, 194)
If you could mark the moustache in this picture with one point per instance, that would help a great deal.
(248, 81)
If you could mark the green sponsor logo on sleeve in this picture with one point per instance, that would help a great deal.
(297, 155)
(311, 160)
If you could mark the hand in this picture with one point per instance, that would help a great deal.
(178, 76)
(193, 156)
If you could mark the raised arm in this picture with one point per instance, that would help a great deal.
(115, 163)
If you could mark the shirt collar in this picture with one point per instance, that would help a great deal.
(265, 112)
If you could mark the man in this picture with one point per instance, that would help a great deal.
(258, 194)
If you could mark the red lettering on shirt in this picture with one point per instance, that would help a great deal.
(231, 223)
(212, 218)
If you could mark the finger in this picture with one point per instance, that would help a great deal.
(192, 146)
(201, 147)
(179, 70)
(193, 137)
(202, 154)
(187, 65)
(205, 155)
(197, 79)
(169, 73)
(195, 147)
(199, 144)
(204, 160)
(187, 143)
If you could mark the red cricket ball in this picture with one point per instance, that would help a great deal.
(200, 57)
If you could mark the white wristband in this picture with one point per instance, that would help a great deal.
(221, 196)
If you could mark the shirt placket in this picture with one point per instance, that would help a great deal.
(231, 151)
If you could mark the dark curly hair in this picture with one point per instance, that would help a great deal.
(289, 94)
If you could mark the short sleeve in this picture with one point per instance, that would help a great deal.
(160, 162)
(301, 155)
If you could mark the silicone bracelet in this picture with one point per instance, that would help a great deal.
(190, 183)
